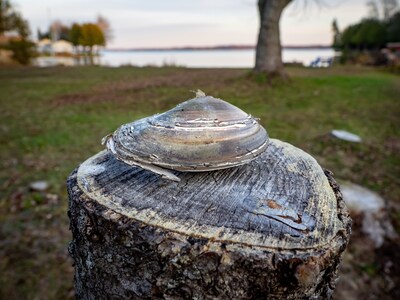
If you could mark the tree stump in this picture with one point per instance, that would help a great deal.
(272, 229)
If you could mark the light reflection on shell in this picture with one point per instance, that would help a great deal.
(201, 134)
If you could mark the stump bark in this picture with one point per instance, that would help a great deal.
(272, 229)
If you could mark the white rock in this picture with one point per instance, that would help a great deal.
(346, 136)
(375, 221)
(360, 200)
(39, 186)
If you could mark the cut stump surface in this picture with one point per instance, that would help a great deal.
(276, 226)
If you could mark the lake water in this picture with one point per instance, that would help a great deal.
(186, 58)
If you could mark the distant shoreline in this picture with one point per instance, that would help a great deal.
(208, 48)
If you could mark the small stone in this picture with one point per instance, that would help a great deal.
(346, 136)
(368, 204)
(360, 199)
(39, 186)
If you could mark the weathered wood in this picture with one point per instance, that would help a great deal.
(274, 228)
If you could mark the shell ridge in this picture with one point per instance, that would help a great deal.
(201, 134)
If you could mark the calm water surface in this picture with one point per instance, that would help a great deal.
(193, 59)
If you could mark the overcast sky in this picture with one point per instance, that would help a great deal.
(167, 23)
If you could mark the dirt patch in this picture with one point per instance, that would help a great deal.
(117, 90)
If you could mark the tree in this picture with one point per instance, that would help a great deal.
(12, 21)
(336, 35)
(104, 25)
(75, 34)
(42, 35)
(389, 7)
(268, 51)
(362, 42)
(91, 35)
(23, 50)
(369, 34)
(373, 10)
(6, 16)
(58, 31)
(393, 28)
(385, 10)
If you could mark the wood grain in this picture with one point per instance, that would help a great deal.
(231, 205)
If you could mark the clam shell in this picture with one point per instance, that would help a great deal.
(201, 134)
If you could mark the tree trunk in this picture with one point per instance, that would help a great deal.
(272, 229)
(268, 51)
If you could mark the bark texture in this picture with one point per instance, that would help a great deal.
(272, 229)
(268, 51)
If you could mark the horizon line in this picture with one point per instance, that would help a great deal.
(215, 47)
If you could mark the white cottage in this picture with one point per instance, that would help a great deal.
(44, 46)
(58, 47)
(62, 46)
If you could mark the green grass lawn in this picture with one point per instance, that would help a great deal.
(52, 119)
